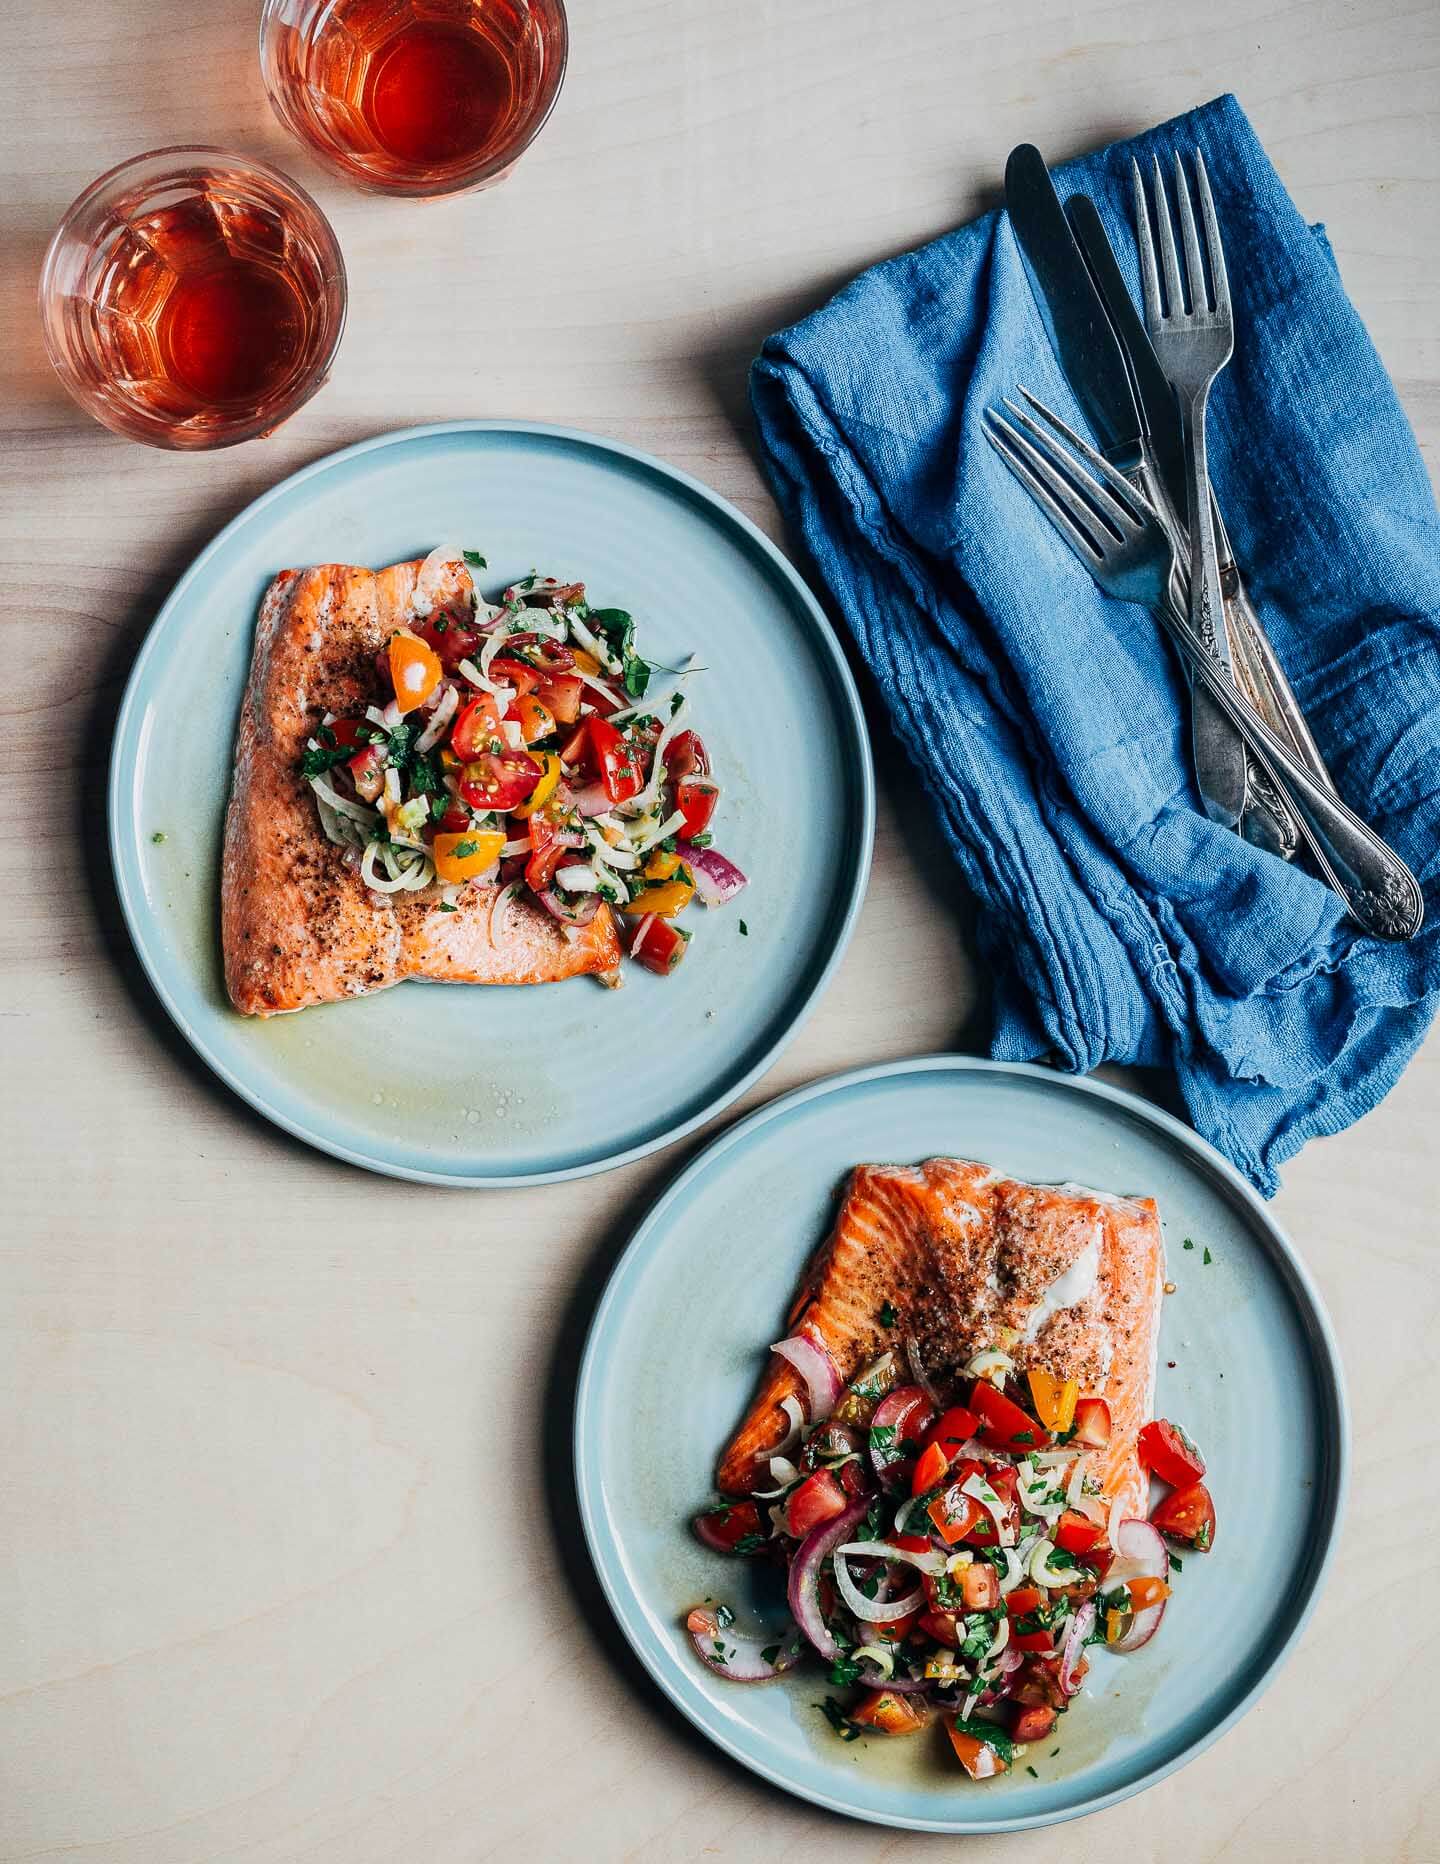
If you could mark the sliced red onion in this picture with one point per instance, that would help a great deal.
(804, 1583)
(1080, 1627)
(578, 913)
(931, 1562)
(740, 1657)
(876, 1611)
(592, 800)
(500, 912)
(1141, 1553)
(817, 1369)
(717, 879)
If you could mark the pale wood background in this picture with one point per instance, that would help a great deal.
(271, 1428)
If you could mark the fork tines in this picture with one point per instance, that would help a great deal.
(1208, 303)
(1092, 510)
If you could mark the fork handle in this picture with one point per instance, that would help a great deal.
(1378, 889)
(1220, 766)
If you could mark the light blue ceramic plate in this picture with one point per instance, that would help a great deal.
(466, 1086)
(680, 1337)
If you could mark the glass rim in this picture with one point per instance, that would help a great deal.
(468, 178)
(308, 385)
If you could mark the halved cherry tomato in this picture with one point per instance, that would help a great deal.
(818, 1498)
(546, 854)
(891, 1714)
(1078, 1535)
(725, 1525)
(506, 671)
(1054, 1399)
(1092, 1422)
(457, 815)
(461, 857)
(576, 748)
(1146, 1591)
(977, 1757)
(1020, 1601)
(955, 1515)
(451, 636)
(1033, 1724)
(659, 946)
(685, 756)
(943, 1627)
(1003, 1425)
(562, 693)
(476, 728)
(696, 798)
(930, 1468)
(415, 669)
(668, 899)
(500, 779)
(1167, 1452)
(616, 761)
(1188, 1514)
(536, 720)
(904, 1412)
(544, 789)
(980, 1587)
(368, 772)
(952, 1429)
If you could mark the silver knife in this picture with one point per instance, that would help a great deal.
(1089, 353)
(1259, 669)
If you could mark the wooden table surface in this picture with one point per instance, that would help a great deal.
(277, 1434)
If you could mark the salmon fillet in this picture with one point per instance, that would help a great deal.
(299, 926)
(968, 1259)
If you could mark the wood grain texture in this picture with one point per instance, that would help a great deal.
(277, 1435)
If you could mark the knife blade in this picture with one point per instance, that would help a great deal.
(1080, 330)
(1089, 352)
(1156, 404)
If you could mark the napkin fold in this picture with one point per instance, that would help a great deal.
(1050, 723)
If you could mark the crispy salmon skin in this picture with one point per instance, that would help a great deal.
(298, 925)
(955, 1257)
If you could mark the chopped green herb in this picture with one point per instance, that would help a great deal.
(1202, 1539)
(1031, 1771)
(769, 1655)
(995, 1738)
(702, 841)
(316, 763)
(744, 929)
(724, 1617)
(888, 1316)
(844, 1671)
(474, 559)
(446, 907)
(1189, 1243)
(749, 1543)
(1177, 1563)
(1054, 1752)
(1207, 1258)
(835, 1715)
(464, 849)
(718, 1645)
(882, 1436)
(1022, 1436)
(158, 836)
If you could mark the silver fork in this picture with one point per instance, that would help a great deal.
(1192, 347)
(1117, 535)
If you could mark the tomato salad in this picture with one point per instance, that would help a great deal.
(951, 1561)
(514, 746)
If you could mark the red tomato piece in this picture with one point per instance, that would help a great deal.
(1031, 1640)
(1003, 1425)
(561, 694)
(500, 779)
(616, 760)
(819, 1498)
(659, 945)
(1092, 1422)
(1078, 1535)
(696, 798)
(546, 854)
(685, 756)
(345, 734)
(955, 1515)
(892, 1714)
(1033, 1724)
(450, 636)
(952, 1429)
(476, 725)
(1188, 1514)
(368, 771)
(911, 1543)
(944, 1627)
(536, 720)
(508, 672)
(1020, 1601)
(1167, 1452)
(458, 816)
(980, 1587)
(727, 1524)
(1006, 1484)
(930, 1469)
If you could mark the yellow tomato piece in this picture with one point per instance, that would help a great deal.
(661, 866)
(1115, 1623)
(1054, 1400)
(544, 789)
(414, 669)
(586, 663)
(462, 856)
(1146, 1591)
(669, 898)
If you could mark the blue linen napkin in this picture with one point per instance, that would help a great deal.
(1049, 722)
